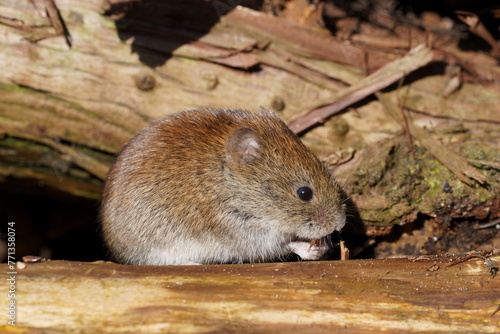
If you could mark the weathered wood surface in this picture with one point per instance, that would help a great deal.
(394, 295)
(65, 111)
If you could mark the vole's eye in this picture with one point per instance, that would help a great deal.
(305, 193)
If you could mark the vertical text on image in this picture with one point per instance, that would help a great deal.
(11, 274)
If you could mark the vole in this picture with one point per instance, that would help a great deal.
(212, 186)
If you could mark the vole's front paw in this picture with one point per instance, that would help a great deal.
(307, 251)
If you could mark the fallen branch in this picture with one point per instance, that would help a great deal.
(476, 26)
(385, 76)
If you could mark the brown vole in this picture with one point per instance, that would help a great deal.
(218, 186)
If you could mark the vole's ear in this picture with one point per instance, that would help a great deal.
(243, 146)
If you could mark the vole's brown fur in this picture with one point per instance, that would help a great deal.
(217, 186)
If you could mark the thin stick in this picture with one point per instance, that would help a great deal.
(383, 77)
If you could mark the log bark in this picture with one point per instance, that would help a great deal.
(434, 294)
(73, 92)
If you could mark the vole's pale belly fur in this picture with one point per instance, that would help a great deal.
(218, 186)
(254, 248)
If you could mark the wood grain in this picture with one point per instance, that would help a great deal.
(392, 295)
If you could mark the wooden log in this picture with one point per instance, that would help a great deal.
(422, 294)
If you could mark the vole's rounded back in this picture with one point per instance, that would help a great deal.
(217, 186)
